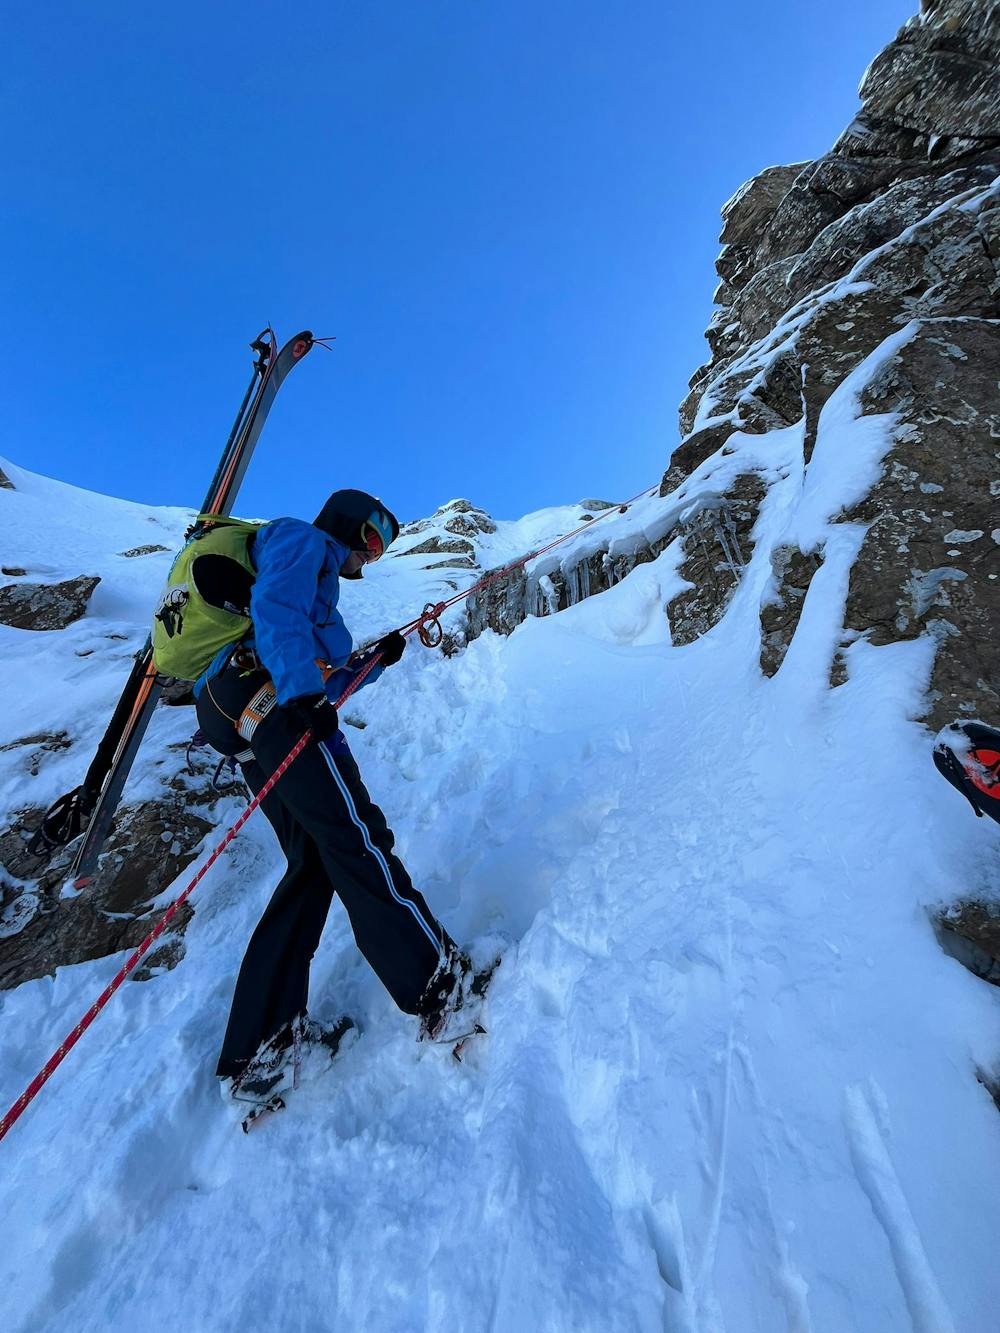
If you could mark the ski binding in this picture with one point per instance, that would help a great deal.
(260, 1110)
(460, 1043)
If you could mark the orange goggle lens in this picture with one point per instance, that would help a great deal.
(374, 546)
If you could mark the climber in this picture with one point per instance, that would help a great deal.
(254, 702)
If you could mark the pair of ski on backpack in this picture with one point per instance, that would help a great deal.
(90, 807)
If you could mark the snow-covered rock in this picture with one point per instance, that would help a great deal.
(46, 606)
(824, 264)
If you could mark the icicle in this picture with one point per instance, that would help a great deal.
(547, 599)
(721, 535)
(573, 586)
(730, 525)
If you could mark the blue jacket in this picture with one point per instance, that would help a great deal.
(293, 606)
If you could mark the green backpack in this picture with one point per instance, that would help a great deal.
(206, 601)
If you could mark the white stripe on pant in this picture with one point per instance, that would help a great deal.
(358, 822)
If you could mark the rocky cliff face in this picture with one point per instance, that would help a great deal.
(896, 229)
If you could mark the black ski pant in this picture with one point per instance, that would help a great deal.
(336, 840)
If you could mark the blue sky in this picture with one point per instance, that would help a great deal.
(506, 213)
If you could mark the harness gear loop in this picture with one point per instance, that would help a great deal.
(262, 703)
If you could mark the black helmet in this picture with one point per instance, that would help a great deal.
(346, 512)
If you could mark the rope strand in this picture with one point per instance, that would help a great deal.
(433, 612)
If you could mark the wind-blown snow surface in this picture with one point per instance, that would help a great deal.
(730, 1077)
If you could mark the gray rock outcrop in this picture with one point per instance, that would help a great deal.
(46, 606)
(150, 548)
(41, 928)
(970, 932)
(462, 521)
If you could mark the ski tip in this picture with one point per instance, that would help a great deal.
(302, 343)
(83, 881)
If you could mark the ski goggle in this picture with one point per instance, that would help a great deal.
(375, 537)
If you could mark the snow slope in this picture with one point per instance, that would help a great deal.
(729, 1082)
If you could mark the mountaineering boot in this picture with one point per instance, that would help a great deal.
(276, 1068)
(452, 1004)
(266, 1073)
(327, 1036)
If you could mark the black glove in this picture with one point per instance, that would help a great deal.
(314, 712)
(391, 648)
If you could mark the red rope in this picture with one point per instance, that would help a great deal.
(58, 1056)
(429, 617)
(432, 613)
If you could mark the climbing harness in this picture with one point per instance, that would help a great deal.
(428, 628)
(260, 707)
